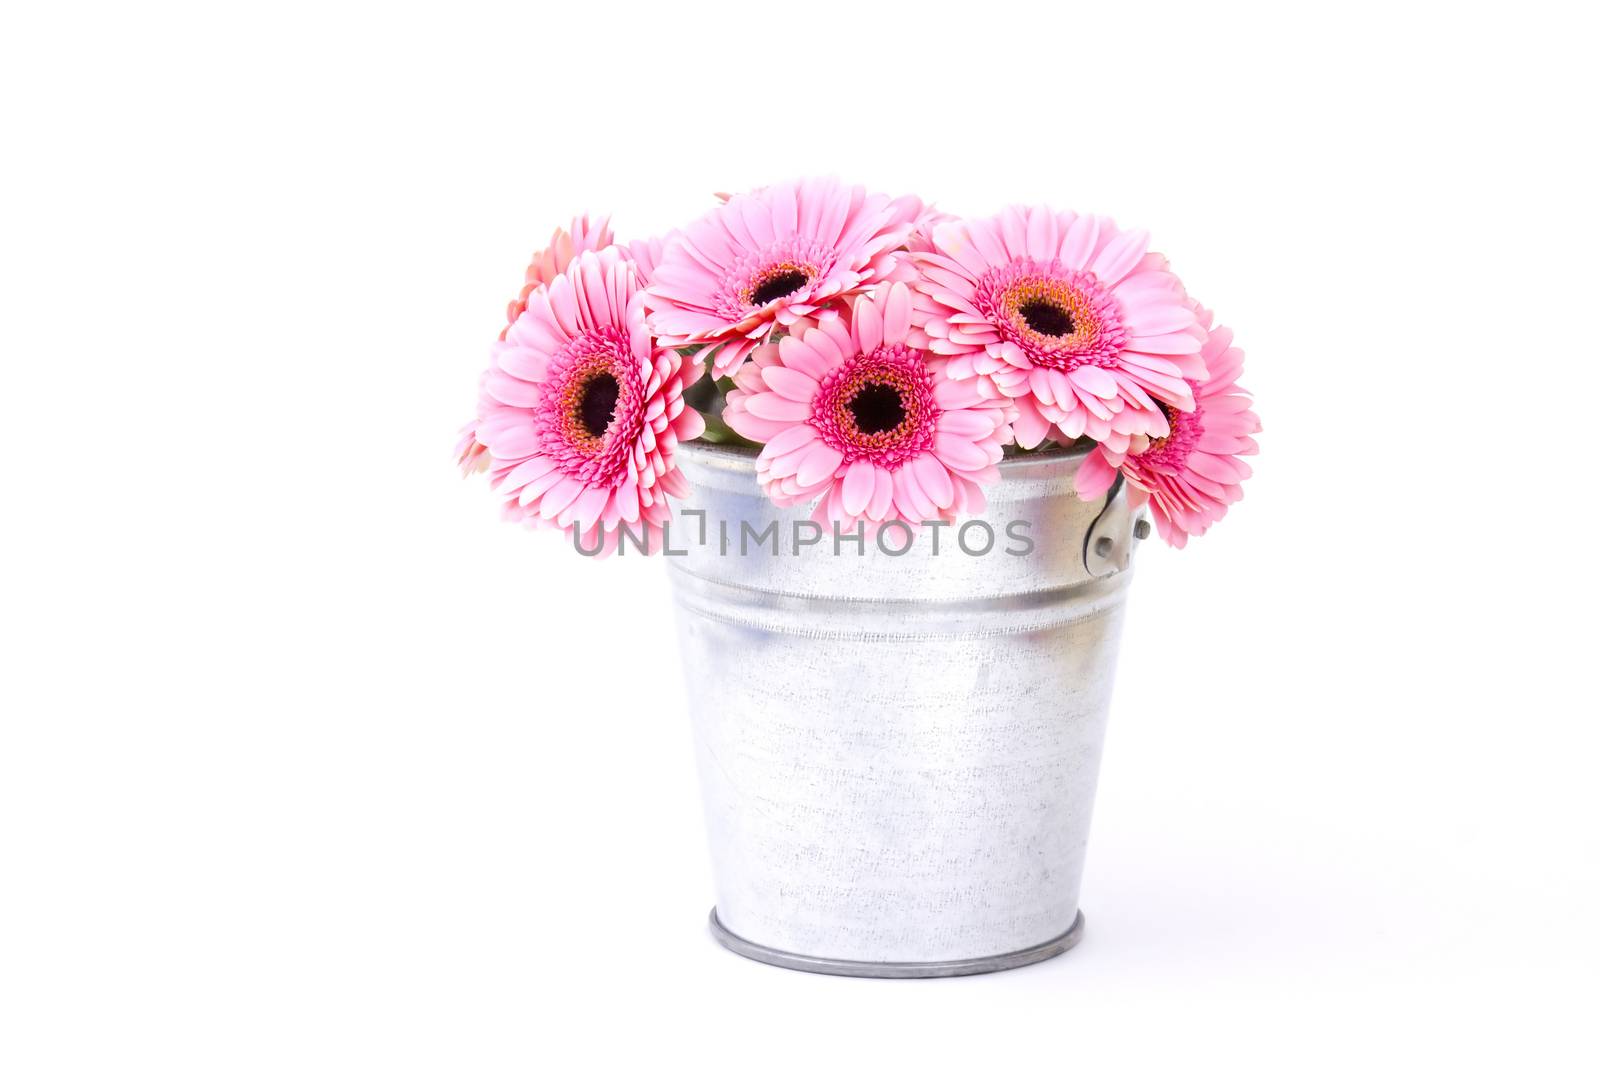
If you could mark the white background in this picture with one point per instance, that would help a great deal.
(307, 758)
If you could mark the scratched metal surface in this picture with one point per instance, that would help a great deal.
(898, 756)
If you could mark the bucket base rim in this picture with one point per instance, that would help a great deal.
(795, 961)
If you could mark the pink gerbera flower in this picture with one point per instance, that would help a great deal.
(1066, 315)
(549, 262)
(1192, 474)
(856, 419)
(582, 411)
(771, 258)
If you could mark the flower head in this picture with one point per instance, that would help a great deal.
(553, 259)
(548, 264)
(581, 411)
(1066, 315)
(853, 417)
(1190, 475)
(771, 258)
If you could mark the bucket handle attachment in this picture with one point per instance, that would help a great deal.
(1108, 544)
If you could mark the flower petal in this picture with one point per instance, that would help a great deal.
(818, 467)
(859, 482)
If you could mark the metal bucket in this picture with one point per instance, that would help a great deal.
(898, 754)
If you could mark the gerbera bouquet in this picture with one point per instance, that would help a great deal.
(883, 357)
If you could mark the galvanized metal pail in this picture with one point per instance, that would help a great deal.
(898, 753)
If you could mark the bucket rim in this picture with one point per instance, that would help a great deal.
(741, 459)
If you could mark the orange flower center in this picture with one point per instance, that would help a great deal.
(1044, 317)
(590, 404)
(1051, 310)
(777, 282)
(877, 408)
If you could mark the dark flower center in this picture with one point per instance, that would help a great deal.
(1159, 444)
(877, 408)
(778, 285)
(1049, 319)
(598, 403)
